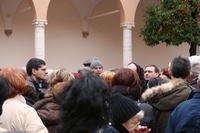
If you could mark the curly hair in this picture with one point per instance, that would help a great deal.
(85, 103)
(58, 80)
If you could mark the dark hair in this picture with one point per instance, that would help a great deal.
(84, 70)
(156, 81)
(129, 78)
(4, 91)
(34, 63)
(180, 67)
(155, 68)
(140, 70)
(85, 105)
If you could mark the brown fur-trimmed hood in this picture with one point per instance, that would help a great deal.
(160, 89)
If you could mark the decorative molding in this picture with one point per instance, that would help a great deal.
(40, 23)
(8, 32)
(127, 25)
(85, 34)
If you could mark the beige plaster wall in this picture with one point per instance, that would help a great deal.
(65, 46)
(18, 48)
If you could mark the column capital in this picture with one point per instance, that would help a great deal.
(127, 25)
(40, 23)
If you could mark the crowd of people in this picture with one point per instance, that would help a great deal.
(131, 99)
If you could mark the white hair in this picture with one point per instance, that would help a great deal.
(140, 114)
(195, 64)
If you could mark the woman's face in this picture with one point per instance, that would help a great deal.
(132, 124)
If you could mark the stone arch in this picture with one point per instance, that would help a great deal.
(128, 10)
(40, 9)
(121, 9)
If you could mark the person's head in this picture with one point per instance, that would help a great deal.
(164, 73)
(132, 66)
(36, 68)
(195, 65)
(96, 66)
(137, 68)
(17, 79)
(127, 77)
(194, 77)
(4, 91)
(84, 70)
(107, 76)
(58, 80)
(156, 81)
(84, 104)
(125, 112)
(180, 67)
(87, 63)
(151, 71)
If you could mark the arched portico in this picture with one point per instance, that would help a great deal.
(127, 9)
(63, 34)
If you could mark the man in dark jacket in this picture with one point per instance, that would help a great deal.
(186, 116)
(37, 71)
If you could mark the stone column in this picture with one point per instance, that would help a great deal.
(40, 38)
(127, 43)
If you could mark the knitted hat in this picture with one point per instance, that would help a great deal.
(95, 62)
(123, 108)
(84, 70)
(87, 62)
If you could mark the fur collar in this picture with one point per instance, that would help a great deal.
(160, 89)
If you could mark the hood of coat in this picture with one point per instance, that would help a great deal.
(168, 95)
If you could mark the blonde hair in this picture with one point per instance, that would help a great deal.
(107, 76)
(58, 80)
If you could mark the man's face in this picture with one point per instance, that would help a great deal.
(41, 73)
(149, 73)
(132, 124)
(97, 69)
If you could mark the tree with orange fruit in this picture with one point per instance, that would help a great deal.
(173, 22)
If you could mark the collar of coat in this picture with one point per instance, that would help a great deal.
(163, 88)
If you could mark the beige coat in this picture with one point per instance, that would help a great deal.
(2, 130)
(18, 116)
